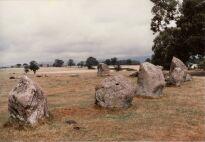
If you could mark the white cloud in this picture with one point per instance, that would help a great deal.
(45, 30)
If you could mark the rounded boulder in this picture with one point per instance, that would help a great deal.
(114, 92)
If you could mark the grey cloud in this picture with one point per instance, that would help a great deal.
(45, 30)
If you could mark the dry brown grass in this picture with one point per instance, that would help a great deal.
(179, 115)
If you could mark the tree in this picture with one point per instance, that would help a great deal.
(183, 41)
(26, 67)
(18, 65)
(107, 61)
(148, 60)
(113, 61)
(71, 62)
(58, 63)
(164, 12)
(129, 62)
(81, 64)
(34, 66)
(90, 62)
(117, 67)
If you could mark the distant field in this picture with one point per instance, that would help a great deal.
(178, 115)
(62, 70)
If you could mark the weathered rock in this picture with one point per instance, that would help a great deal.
(178, 72)
(27, 102)
(103, 70)
(161, 67)
(188, 77)
(151, 81)
(166, 75)
(114, 92)
(177, 63)
(177, 76)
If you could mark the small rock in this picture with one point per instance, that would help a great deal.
(76, 128)
(74, 75)
(38, 75)
(70, 122)
(188, 77)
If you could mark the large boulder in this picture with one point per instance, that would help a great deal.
(114, 92)
(27, 102)
(178, 72)
(150, 81)
(176, 76)
(177, 63)
(103, 70)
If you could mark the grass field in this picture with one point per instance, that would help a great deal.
(178, 115)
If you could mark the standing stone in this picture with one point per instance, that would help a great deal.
(177, 76)
(178, 72)
(114, 92)
(103, 70)
(27, 102)
(150, 81)
(177, 63)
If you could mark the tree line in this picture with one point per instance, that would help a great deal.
(89, 63)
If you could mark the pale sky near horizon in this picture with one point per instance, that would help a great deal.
(44, 30)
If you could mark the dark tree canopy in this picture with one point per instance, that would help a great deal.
(71, 62)
(26, 67)
(148, 60)
(107, 61)
(183, 41)
(34, 66)
(18, 65)
(164, 12)
(90, 62)
(81, 64)
(114, 61)
(58, 63)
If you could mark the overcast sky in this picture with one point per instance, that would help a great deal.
(44, 30)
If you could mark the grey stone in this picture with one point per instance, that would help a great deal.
(150, 81)
(114, 92)
(178, 72)
(177, 76)
(177, 63)
(103, 70)
(188, 77)
(161, 67)
(27, 102)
